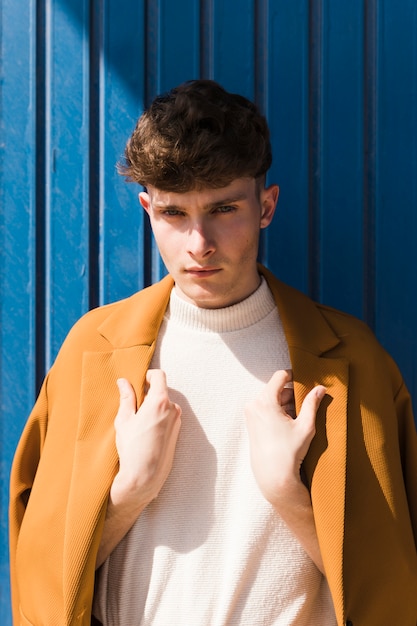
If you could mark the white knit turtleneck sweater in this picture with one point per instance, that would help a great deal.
(210, 550)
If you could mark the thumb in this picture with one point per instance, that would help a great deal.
(310, 406)
(127, 395)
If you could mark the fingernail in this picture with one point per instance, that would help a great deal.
(321, 392)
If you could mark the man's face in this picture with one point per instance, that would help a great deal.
(208, 238)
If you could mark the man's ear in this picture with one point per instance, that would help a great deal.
(145, 201)
(269, 199)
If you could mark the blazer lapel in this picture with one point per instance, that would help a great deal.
(131, 330)
(313, 352)
(325, 463)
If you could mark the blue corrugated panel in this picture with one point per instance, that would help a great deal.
(233, 58)
(338, 231)
(66, 168)
(396, 184)
(338, 82)
(18, 224)
(287, 240)
(118, 97)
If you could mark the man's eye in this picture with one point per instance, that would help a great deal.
(171, 212)
(224, 209)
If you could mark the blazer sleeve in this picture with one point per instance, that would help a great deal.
(23, 472)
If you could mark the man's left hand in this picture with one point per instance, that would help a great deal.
(278, 442)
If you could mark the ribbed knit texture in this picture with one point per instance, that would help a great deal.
(210, 551)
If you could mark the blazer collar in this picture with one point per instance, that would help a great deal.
(136, 320)
(305, 327)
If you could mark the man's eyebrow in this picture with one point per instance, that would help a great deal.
(230, 200)
(222, 202)
(168, 207)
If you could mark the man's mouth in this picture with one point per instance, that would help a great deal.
(202, 272)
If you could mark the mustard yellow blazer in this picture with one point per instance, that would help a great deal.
(361, 467)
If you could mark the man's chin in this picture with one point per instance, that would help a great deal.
(202, 297)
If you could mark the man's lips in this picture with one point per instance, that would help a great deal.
(202, 272)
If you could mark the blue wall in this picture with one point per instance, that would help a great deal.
(338, 82)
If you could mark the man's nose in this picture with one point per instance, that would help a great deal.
(200, 242)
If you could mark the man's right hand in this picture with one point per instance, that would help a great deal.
(145, 440)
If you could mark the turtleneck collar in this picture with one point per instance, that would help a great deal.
(232, 318)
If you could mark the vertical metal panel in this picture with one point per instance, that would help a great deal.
(287, 240)
(339, 229)
(338, 82)
(396, 184)
(66, 174)
(178, 43)
(119, 50)
(233, 46)
(17, 247)
(369, 173)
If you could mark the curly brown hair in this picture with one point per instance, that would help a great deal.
(197, 135)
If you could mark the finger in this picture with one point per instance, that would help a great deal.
(177, 408)
(157, 381)
(310, 407)
(288, 401)
(275, 385)
(277, 381)
(127, 394)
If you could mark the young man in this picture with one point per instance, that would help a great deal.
(196, 493)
